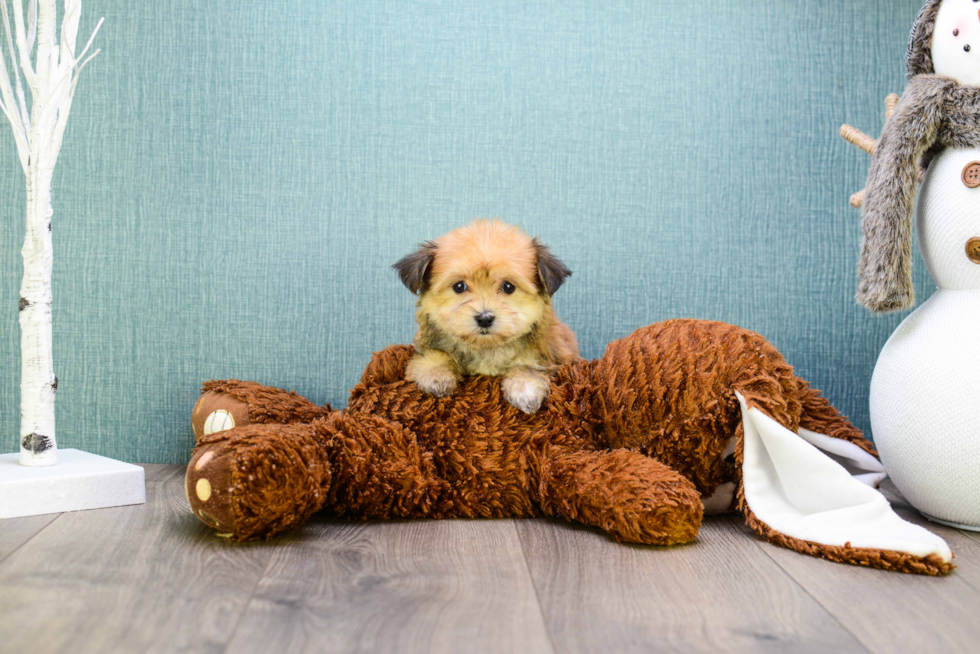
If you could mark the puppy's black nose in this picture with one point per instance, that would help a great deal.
(485, 319)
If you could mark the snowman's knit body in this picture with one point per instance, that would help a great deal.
(925, 384)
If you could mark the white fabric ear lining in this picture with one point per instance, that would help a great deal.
(797, 490)
(861, 465)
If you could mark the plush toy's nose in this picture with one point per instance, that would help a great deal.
(485, 319)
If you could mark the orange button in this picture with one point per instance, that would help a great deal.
(973, 250)
(971, 174)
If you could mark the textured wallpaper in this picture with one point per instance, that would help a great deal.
(238, 177)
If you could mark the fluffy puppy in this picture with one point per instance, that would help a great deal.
(484, 308)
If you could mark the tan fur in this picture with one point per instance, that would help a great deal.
(526, 339)
(434, 371)
(525, 388)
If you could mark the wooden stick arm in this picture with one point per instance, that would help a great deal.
(856, 137)
(890, 103)
(859, 139)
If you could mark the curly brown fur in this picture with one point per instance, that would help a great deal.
(260, 479)
(661, 506)
(628, 443)
(822, 417)
(935, 112)
(265, 404)
(669, 391)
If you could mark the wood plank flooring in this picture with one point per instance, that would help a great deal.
(14, 532)
(930, 615)
(720, 594)
(152, 578)
(446, 586)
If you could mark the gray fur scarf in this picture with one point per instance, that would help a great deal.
(934, 113)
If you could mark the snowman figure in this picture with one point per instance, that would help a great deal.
(925, 391)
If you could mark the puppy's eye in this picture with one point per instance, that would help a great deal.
(508, 288)
(459, 287)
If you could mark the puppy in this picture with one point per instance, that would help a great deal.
(484, 308)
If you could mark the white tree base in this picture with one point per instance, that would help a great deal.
(78, 482)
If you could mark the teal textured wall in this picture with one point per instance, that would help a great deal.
(237, 178)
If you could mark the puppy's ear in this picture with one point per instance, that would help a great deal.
(551, 272)
(414, 269)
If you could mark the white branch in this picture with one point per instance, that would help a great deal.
(67, 98)
(21, 141)
(74, 65)
(52, 81)
(23, 49)
(5, 89)
(31, 25)
(25, 119)
(74, 82)
(10, 108)
(89, 43)
(25, 115)
(69, 30)
(47, 20)
(5, 113)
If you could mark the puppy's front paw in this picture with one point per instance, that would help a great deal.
(437, 382)
(525, 390)
(432, 377)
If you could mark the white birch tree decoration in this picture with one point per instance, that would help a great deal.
(30, 483)
(38, 131)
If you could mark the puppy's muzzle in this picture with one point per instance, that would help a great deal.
(484, 320)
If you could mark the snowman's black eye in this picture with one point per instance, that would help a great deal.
(459, 287)
(956, 32)
(508, 288)
(966, 48)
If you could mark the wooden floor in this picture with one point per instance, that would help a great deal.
(152, 578)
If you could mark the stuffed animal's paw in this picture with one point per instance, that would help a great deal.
(258, 480)
(525, 390)
(208, 485)
(217, 411)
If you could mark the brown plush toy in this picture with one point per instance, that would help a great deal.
(677, 417)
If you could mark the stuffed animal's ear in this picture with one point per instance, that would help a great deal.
(551, 272)
(415, 269)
